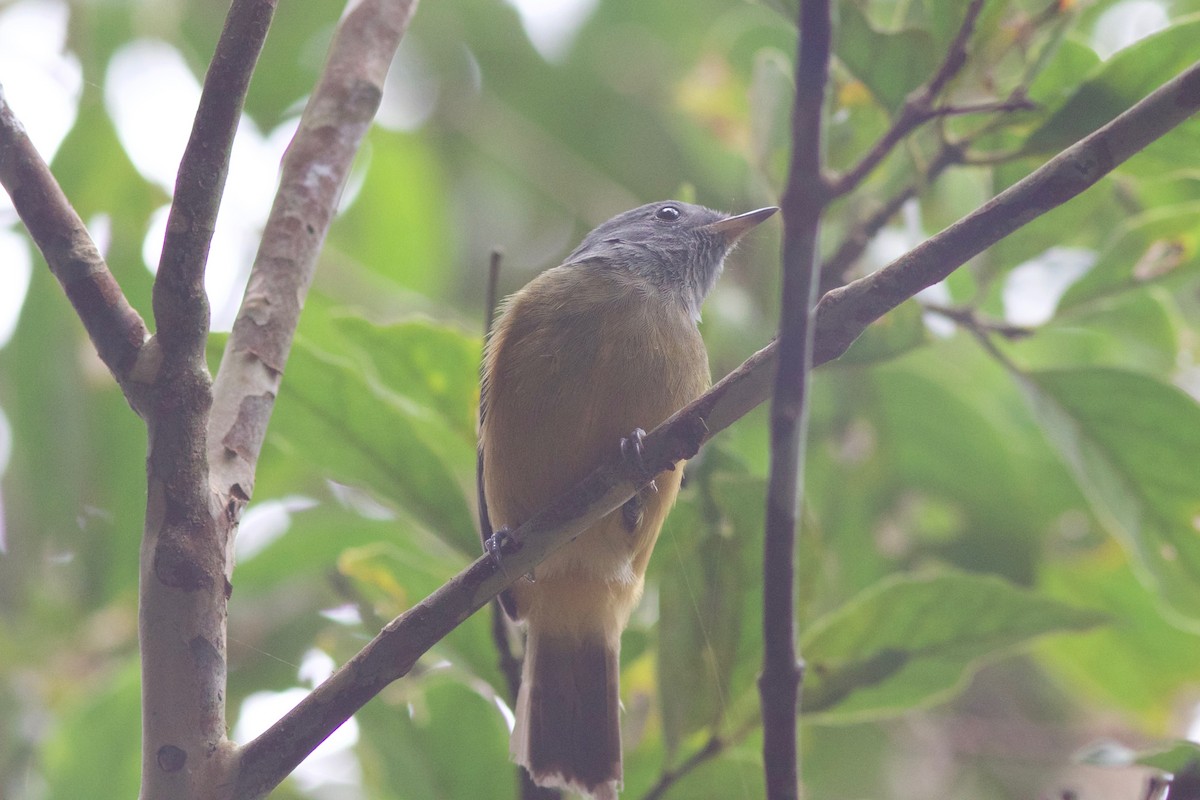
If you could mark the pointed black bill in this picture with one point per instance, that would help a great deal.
(733, 228)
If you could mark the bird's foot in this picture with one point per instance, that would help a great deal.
(500, 544)
(633, 450)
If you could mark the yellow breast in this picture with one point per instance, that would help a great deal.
(579, 358)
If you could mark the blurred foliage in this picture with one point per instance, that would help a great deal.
(999, 561)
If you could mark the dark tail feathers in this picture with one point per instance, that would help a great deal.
(568, 730)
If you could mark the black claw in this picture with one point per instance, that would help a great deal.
(500, 544)
(633, 448)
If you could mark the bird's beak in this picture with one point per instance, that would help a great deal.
(733, 228)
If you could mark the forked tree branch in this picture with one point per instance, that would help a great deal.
(115, 328)
(186, 544)
(842, 316)
(189, 527)
(804, 200)
(1060, 179)
(918, 107)
(835, 268)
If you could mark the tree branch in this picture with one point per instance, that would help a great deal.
(834, 269)
(970, 319)
(115, 328)
(918, 106)
(314, 170)
(180, 303)
(804, 199)
(186, 545)
(1063, 177)
(842, 315)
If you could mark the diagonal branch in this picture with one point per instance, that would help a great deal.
(918, 107)
(669, 777)
(842, 315)
(314, 170)
(115, 328)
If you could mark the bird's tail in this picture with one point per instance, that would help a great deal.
(568, 731)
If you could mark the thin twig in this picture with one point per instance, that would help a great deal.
(1015, 103)
(712, 748)
(842, 316)
(1063, 177)
(493, 290)
(981, 330)
(507, 661)
(971, 319)
(716, 745)
(510, 664)
(803, 202)
(115, 328)
(918, 106)
(950, 153)
(854, 244)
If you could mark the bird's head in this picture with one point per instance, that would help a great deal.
(679, 247)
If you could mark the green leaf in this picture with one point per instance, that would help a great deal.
(98, 737)
(433, 364)
(770, 99)
(1060, 78)
(1117, 84)
(910, 641)
(355, 431)
(1145, 248)
(711, 549)
(892, 335)
(736, 772)
(435, 737)
(76, 482)
(392, 576)
(395, 225)
(1131, 443)
(1137, 330)
(890, 64)
(1139, 664)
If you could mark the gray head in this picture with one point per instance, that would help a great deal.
(679, 247)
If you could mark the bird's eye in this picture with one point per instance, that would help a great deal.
(667, 214)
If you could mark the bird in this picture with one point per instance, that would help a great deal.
(581, 361)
